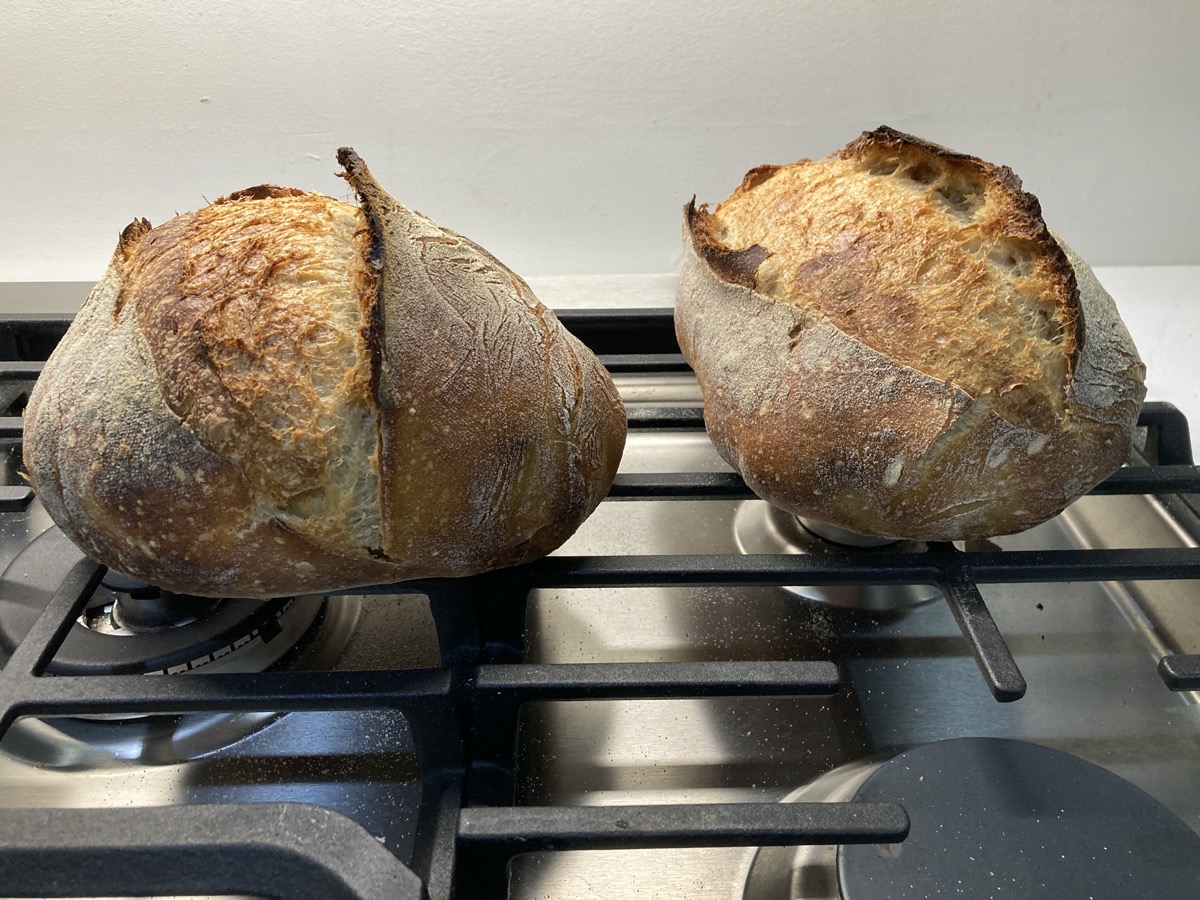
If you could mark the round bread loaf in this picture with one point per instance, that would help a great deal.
(282, 393)
(892, 341)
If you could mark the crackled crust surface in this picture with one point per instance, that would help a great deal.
(258, 335)
(936, 259)
(153, 478)
(892, 340)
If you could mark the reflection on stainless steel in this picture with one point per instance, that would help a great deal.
(128, 614)
(761, 527)
(806, 873)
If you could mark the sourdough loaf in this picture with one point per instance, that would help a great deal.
(283, 393)
(891, 340)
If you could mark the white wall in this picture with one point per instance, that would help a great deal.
(565, 137)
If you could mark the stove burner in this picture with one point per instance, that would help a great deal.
(990, 817)
(761, 527)
(129, 627)
(142, 611)
(842, 536)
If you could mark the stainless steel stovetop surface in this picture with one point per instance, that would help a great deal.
(1088, 652)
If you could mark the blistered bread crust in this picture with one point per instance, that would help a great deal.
(238, 398)
(809, 381)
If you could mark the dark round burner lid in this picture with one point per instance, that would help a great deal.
(1004, 818)
(34, 575)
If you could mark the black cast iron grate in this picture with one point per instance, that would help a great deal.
(463, 715)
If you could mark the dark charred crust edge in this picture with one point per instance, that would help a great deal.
(1024, 217)
(738, 267)
(893, 139)
(758, 175)
(127, 245)
(260, 192)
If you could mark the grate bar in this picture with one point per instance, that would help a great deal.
(660, 418)
(730, 486)
(883, 567)
(532, 828)
(20, 370)
(1025, 566)
(1180, 672)
(622, 363)
(12, 428)
(14, 497)
(38, 646)
(274, 850)
(1180, 479)
(991, 653)
(490, 836)
(280, 691)
(1171, 436)
(433, 857)
(687, 486)
(616, 681)
(423, 696)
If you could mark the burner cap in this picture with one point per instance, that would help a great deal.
(993, 817)
(231, 633)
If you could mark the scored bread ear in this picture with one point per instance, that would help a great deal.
(494, 420)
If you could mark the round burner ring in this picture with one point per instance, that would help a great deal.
(241, 635)
(762, 527)
(258, 635)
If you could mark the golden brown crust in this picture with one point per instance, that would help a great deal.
(1018, 219)
(931, 257)
(824, 377)
(162, 450)
(228, 305)
(259, 192)
(234, 398)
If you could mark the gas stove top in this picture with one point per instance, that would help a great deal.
(695, 697)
